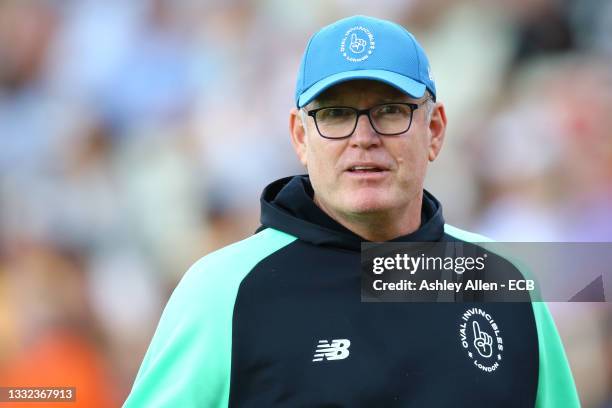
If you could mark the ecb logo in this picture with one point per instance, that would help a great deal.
(357, 44)
(480, 336)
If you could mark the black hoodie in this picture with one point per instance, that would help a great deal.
(277, 320)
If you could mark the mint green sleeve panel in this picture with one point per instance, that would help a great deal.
(188, 362)
(556, 386)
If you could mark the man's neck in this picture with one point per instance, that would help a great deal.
(380, 226)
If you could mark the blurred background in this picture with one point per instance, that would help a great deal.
(137, 136)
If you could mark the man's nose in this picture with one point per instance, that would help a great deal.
(364, 135)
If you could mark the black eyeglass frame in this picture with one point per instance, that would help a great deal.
(413, 106)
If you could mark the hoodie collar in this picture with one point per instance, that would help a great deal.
(287, 205)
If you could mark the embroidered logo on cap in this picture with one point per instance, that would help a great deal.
(357, 44)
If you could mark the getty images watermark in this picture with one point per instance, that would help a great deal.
(484, 272)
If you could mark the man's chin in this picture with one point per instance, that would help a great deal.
(368, 205)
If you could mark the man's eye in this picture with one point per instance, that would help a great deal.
(335, 113)
(392, 109)
(338, 112)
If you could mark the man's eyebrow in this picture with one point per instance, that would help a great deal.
(326, 101)
(396, 98)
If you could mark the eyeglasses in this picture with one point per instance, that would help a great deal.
(388, 119)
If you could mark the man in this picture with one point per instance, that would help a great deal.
(276, 319)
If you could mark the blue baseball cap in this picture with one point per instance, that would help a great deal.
(362, 47)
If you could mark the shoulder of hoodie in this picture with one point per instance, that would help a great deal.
(267, 241)
(465, 235)
(233, 262)
(494, 247)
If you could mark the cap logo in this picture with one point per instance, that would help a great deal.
(357, 44)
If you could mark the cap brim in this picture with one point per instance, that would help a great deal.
(401, 82)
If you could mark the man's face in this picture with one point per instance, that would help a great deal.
(367, 172)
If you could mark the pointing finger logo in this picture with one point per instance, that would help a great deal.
(480, 337)
(357, 45)
(482, 341)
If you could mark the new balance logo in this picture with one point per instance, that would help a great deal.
(337, 350)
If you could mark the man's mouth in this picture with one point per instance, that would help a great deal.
(366, 169)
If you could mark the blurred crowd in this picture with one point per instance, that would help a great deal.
(137, 136)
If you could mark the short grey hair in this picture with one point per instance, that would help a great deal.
(303, 115)
(429, 105)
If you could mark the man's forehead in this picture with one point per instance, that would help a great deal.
(361, 89)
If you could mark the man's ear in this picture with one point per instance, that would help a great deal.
(298, 135)
(437, 130)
